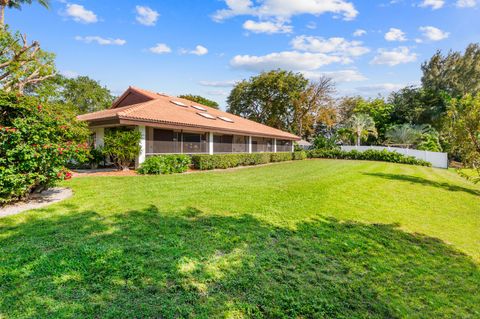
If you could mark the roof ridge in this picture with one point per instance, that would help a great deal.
(134, 107)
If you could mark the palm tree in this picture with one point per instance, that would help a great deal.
(16, 4)
(362, 125)
(406, 134)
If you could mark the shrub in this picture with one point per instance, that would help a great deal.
(281, 157)
(165, 164)
(369, 155)
(96, 156)
(36, 143)
(123, 146)
(207, 162)
(298, 156)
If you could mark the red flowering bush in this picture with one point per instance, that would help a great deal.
(36, 144)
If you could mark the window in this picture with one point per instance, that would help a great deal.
(206, 115)
(226, 119)
(194, 143)
(198, 107)
(261, 144)
(284, 146)
(179, 103)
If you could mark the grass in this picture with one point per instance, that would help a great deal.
(309, 239)
(470, 174)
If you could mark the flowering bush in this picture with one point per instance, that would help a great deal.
(36, 144)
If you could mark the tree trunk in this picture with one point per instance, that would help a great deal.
(358, 140)
(2, 16)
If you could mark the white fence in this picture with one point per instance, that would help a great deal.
(437, 159)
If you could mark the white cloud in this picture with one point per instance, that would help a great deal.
(338, 76)
(359, 33)
(146, 15)
(290, 60)
(219, 84)
(100, 40)
(199, 50)
(79, 14)
(434, 4)
(395, 34)
(334, 46)
(380, 88)
(268, 27)
(434, 34)
(285, 9)
(466, 3)
(394, 57)
(160, 48)
(218, 93)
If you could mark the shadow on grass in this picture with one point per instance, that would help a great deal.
(424, 181)
(151, 264)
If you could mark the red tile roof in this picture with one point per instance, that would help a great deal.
(160, 109)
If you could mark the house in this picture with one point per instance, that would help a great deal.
(171, 125)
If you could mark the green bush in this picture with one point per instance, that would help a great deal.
(222, 161)
(36, 144)
(122, 146)
(165, 164)
(96, 157)
(298, 156)
(369, 155)
(281, 157)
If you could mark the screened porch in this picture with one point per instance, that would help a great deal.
(161, 141)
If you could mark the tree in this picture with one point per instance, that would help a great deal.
(314, 107)
(36, 145)
(23, 65)
(123, 146)
(464, 129)
(17, 4)
(417, 105)
(362, 126)
(200, 99)
(279, 98)
(455, 74)
(85, 94)
(379, 110)
(403, 135)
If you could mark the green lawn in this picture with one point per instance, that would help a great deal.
(309, 239)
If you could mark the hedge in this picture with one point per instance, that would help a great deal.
(369, 155)
(165, 164)
(207, 162)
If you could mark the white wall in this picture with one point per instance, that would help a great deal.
(437, 159)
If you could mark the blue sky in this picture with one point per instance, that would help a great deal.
(203, 46)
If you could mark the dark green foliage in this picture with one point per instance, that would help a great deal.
(207, 162)
(322, 142)
(165, 164)
(36, 144)
(268, 98)
(280, 157)
(96, 157)
(86, 94)
(369, 155)
(123, 146)
(200, 99)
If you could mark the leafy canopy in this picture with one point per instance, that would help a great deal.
(122, 145)
(85, 94)
(464, 129)
(200, 99)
